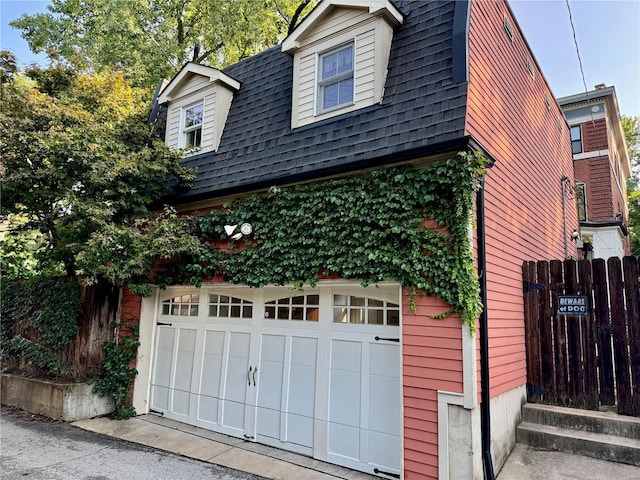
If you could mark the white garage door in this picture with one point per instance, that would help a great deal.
(315, 372)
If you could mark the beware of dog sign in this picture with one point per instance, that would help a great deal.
(573, 305)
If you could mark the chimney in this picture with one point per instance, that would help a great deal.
(600, 86)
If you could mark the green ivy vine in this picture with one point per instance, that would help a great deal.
(371, 228)
(116, 375)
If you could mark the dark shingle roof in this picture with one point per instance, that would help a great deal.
(421, 108)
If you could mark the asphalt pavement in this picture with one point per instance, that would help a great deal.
(38, 450)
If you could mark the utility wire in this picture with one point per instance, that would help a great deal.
(575, 41)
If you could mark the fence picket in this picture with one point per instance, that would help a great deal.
(605, 355)
(547, 376)
(532, 328)
(574, 340)
(619, 330)
(559, 334)
(632, 295)
(589, 339)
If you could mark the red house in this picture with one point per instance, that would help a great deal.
(364, 377)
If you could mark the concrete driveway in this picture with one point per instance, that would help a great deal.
(40, 450)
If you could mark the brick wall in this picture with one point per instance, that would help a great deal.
(594, 135)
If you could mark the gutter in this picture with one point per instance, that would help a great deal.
(485, 407)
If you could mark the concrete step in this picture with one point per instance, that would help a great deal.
(590, 444)
(608, 423)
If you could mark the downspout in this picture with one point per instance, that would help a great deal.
(563, 183)
(485, 407)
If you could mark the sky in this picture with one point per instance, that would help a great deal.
(607, 32)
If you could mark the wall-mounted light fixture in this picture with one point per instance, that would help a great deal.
(245, 230)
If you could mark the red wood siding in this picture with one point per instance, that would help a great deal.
(507, 114)
(431, 361)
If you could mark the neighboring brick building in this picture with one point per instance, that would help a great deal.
(602, 168)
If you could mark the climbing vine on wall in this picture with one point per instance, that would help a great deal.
(371, 228)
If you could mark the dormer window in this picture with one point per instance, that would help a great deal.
(335, 85)
(189, 126)
(340, 58)
(192, 126)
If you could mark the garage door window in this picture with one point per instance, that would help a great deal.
(363, 310)
(229, 307)
(184, 306)
(301, 308)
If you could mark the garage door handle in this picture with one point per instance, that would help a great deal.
(255, 370)
(249, 376)
(387, 339)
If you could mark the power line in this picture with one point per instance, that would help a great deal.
(575, 41)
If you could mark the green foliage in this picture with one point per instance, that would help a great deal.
(152, 40)
(369, 228)
(128, 252)
(634, 221)
(631, 126)
(39, 319)
(77, 161)
(116, 376)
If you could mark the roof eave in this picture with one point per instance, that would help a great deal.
(383, 8)
(214, 75)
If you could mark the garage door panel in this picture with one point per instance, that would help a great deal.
(160, 398)
(384, 359)
(379, 452)
(181, 403)
(300, 430)
(235, 381)
(208, 409)
(344, 441)
(184, 359)
(384, 416)
(212, 364)
(345, 402)
(164, 357)
(346, 355)
(268, 423)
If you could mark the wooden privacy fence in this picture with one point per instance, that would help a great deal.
(587, 360)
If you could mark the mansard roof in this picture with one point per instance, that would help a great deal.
(422, 112)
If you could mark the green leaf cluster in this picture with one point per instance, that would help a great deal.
(371, 228)
(631, 127)
(151, 40)
(40, 317)
(78, 161)
(116, 376)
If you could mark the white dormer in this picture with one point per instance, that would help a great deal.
(198, 100)
(340, 54)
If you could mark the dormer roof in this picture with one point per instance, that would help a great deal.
(189, 70)
(383, 8)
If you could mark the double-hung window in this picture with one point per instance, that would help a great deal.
(576, 139)
(581, 198)
(335, 79)
(192, 126)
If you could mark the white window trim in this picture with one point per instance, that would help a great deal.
(184, 130)
(318, 110)
(581, 139)
(583, 186)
